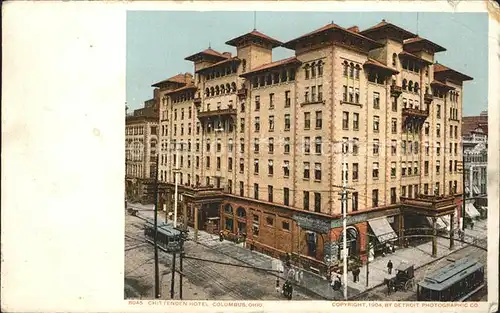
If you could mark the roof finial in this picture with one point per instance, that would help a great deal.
(254, 20)
(332, 22)
(209, 45)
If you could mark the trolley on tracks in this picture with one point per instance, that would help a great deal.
(169, 238)
(458, 281)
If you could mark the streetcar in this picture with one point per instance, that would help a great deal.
(458, 281)
(169, 238)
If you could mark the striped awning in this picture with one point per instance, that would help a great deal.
(476, 190)
(440, 224)
(382, 229)
(471, 211)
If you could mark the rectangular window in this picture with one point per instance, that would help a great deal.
(319, 120)
(345, 145)
(218, 163)
(355, 203)
(376, 145)
(242, 145)
(438, 167)
(306, 95)
(286, 196)
(344, 93)
(394, 145)
(256, 191)
(242, 165)
(393, 196)
(426, 167)
(318, 144)
(270, 167)
(271, 101)
(355, 171)
(287, 121)
(438, 111)
(375, 198)
(317, 171)
(208, 162)
(256, 145)
(287, 99)
(415, 167)
(317, 202)
(242, 125)
(438, 130)
(320, 93)
(394, 125)
(394, 104)
(307, 144)
(307, 120)
(256, 166)
(356, 95)
(313, 93)
(376, 122)
(306, 170)
(285, 225)
(345, 120)
(355, 121)
(286, 146)
(393, 169)
(286, 168)
(271, 123)
(426, 128)
(351, 94)
(375, 170)
(355, 146)
(230, 164)
(271, 145)
(270, 193)
(403, 169)
(305, 197)
(257, 103)
(438, 148)
(257, 124)
(376, 100)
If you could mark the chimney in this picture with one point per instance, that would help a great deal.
(354, 29)
(188, 77)
(227, 54)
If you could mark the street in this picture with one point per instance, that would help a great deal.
(203, 280)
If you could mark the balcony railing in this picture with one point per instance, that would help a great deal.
(242, 93)
(429, 202)
(220, 112)
(428, 98)
(197, 101)
(415, 112)
(396, 90)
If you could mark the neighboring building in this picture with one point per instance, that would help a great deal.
(141, 140)
(261, 142)
(475, 141)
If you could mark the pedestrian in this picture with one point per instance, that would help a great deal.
(471, 225)
(389, 267)
(356, 272)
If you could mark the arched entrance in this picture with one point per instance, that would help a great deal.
(228, 218)
(352, 242)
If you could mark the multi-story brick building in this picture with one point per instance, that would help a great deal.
(261, 143)
(141, 140)
(475, 142)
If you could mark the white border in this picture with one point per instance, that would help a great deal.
(62, 133)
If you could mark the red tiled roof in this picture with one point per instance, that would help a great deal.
(384, 24)
(354, 28)
(439, 68)
(471, 123)
(411, 55)
(332, 26)
(416, 39)
(210, 52)
(255, 34)
(372, 62)
(179, 78)
(190, 86)
(219, 63)
(272, 65)
(441, 84)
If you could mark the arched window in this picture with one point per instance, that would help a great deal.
(394, 58)
(269, 79)
(404, 84)
(320, 68)
(313, 70)
(233, 87)
(228, 209)
(244, 65)
(217, 90)
(345, 68)
(240, 212)
(212, 91)
(217, 74)
(306, 70)
(417, 88)
(228, 88)
(358, 69)
(207, 92)
(284, 76)
(222, 90)
(410, 86)
(351, 72)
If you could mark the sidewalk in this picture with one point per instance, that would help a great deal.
(419, 256)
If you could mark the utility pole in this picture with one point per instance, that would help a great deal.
(157, 271)
(172, 283)
(462, 213)
(344, 217)
(181, 274)
(367, 244)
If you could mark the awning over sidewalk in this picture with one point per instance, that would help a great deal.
(471, 211)
(440, 224)
(476, 190)
(446, 220)
(467, 189)
(382, 229)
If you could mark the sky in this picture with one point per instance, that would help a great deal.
(158, 42)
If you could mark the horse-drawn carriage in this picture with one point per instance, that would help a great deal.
(404, 279)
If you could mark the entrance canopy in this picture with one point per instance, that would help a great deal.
(471, 211)
(382, 229)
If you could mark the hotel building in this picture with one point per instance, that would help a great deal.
(259, 145)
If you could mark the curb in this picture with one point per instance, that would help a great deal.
(416, 268)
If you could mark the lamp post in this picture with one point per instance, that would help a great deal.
(344, 219)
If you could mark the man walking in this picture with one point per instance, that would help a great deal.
(355, 274)
(389, 267)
